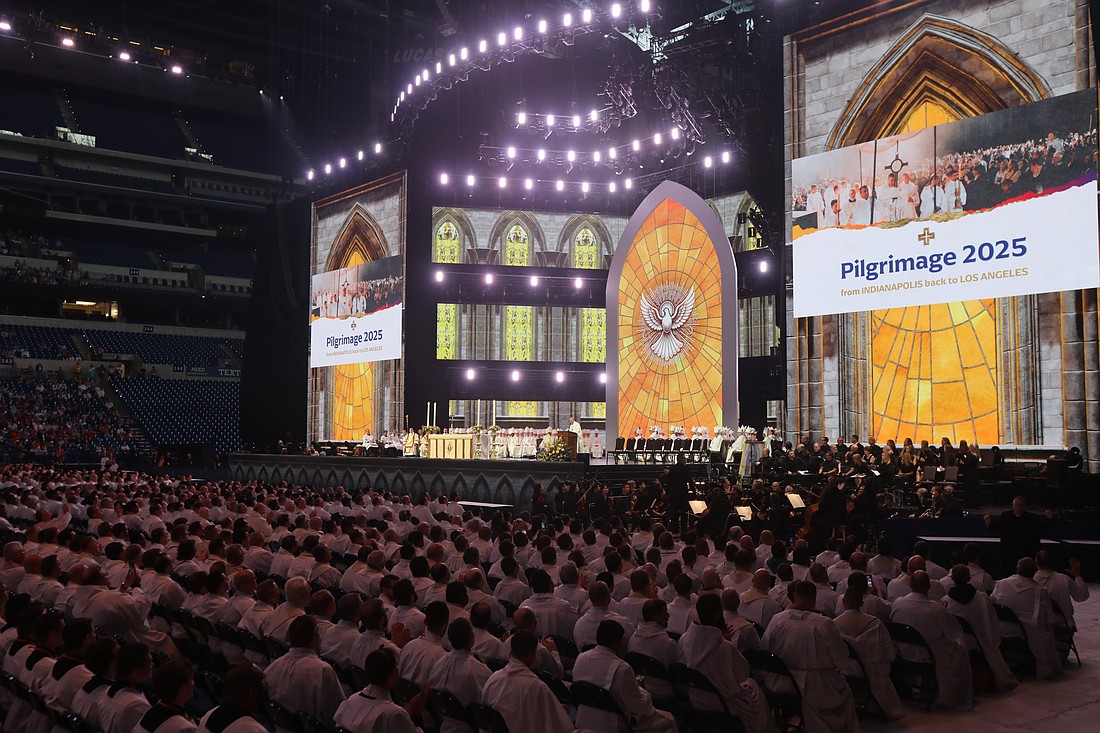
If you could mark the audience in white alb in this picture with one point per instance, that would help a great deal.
(164, 563)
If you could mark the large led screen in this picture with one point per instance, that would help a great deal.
(355, 313)
(992, 206)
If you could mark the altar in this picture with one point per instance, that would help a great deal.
(451, 445)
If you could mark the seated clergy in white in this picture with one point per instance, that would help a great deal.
(601, 666)
(243, 690)
(555, 616)
(1031, 603)
(739, 629)
(174, 682)
(1065, 588)
(521, 698)
(966, 602)
(372, 710)
(373, 617)
(901, 586)
(874, 647)
(943, 634)
(125, 703)
(812, 648)
(756, 604)
(459, 672)
(420, 655)
(651, 639)
(277, 624)
(547, 658)
(705, 647)
(69, 672)
(300, 680)
(584, 631)
(88, 699)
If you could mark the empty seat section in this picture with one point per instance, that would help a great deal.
(128, 126)
(29, 110)
(177, 411)
(214, 261)
(160, 348)
(39, 342)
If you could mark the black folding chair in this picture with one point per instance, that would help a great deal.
(588, 695)
(914, 679)
(1014, 645)
(651, 668)
(779, 685)
(859, 684)
(486, 719)
(556, 685)
(714, 713)
(446, 707)
(1063, 634)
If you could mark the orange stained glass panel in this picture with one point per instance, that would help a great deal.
(671, 248)
(352, 387)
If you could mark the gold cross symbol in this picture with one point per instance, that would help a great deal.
(926, 236)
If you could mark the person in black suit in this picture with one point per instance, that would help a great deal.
(1021, 533)
(679, 480)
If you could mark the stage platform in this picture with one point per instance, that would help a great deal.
(492, 481)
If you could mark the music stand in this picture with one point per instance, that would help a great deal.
(697, 506)
(744, 512)
(796, 501)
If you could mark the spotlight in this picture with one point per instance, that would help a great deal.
(577, 283)
(378, 148)
(542, 26)
(124, 56)
(502, 38)
(343, 163)
(594, 116)
(576, 120)
(409, 88)
(603, 378)
(763, 265)
(489, 278)
(309, 175)
(567, 20)
(439, 276)
(444, 178)
(550, 120)
(541, 154)
(5, 25)
(515, 375)
(470, 375)
(636, 145)
(464, 53)
(559, 377)
(596, 156)
(586, 15)
(482, 46)
(470, 179)
(612, 187)
(521, 118)
(528, 184)
(644, 6)
(570, 156)
(584, 187)
(425, 74)
(518, 33)
(725, 156)
(416, 81)
(451, 60)
(675, 134)
(560, 185)
(502, 182)
(439, 67)
(616, 10)
(708, 162)
(612, 153)
(511, 152)
(68, 42)
(359, 155)
(328, 169)
(534, 281)
(628, 184)
(177, 69)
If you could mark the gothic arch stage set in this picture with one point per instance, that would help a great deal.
(936, 275)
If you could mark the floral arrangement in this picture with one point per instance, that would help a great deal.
(477, 429)
(554, 449)
(494, 429)
(432, 430)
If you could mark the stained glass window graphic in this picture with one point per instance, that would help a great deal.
(517, 249)
(446, 343)
(586, 250)
(352, 387)
(448, 244)
(932, 373)
(593, 335)
(521, 408)
(519, 332)
(671, 274)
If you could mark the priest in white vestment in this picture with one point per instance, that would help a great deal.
(459, 672)
(601, 666)
(943, 634)
(300, 680)
(813, 649)
(372, 709)
(874, 647)
(1065, 588)
(966, 602)
(704, 647)
(1031, 603)
(521, 698)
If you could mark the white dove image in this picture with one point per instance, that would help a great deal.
(669, 321)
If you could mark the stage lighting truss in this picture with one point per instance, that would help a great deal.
(534, 37)
(639, 152)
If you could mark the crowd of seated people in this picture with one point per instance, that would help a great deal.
(359, 608)
(57, 420)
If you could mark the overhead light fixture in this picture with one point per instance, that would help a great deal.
(482, 46)
(451, 60)
(521, 118)
(439, 276)
(328, 169)
(502, 182)
(584, 187)
(594, 116)
(708, 162)
(550, 119)
(5, 25)
(444, 178)
(616, 10)
(763, 265)
(657, 139)
(576, 120)
(470, 374)
(612, 187)
(567, 20)
(470, 179)
(359, 155)
(511, 152)
(502, 38)
(542, 26)
(124, 56)
(570, 156)
(636, 145)
(541, 154)
(560, 185)
(488, 278)
(603, 378)
(725, 156)
(534, 281)
(628, 184)
(309, 175)
(528, 184)
(612, 153)
(377, 148)
(518, 33)
(559, 377)
(68, 42)
(464, 54)
(577, 283)
(597, 156)
(675, 134)
(644, 6)
(515, 375)
(586, 15)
